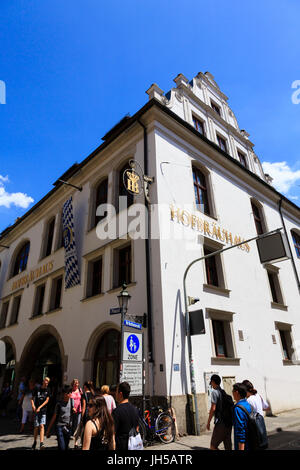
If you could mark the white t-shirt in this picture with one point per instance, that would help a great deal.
(110, 402)
(258, 403)
(26, 404)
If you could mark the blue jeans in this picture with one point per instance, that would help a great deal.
(63, 438)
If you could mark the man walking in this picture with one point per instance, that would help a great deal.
(240, 418)
(221, 410)
(40, 398)
(63, 418)
(126, 416)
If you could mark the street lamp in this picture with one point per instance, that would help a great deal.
(123, 299)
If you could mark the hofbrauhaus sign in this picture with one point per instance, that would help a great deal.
(33, 275)
(209, 229)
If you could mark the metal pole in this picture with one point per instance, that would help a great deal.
(187, 322)
(122, 341)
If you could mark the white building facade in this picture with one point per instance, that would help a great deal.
(209, 192)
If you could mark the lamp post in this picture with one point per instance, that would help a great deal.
(123, 299)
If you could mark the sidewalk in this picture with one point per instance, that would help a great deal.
(11, 440)
(281, 421)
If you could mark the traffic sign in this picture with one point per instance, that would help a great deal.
(133, 374)
(132, 324)
(133, 347)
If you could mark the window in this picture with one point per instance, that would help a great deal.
(49, 237)
(122, 190)
(100, 198)
(275, 286)
(122, 266)
(107, 359)
(222, 143)
(296, 241)
(258, 219)
(219, 338)
(201, 192)
(39, 300)
(211, 268)
(4, 312)
(95, 277)
(15, 310)
(21, 259)
(198, 125)
(242, 159)
(215, 107)
(221, 327)
(285, 340)
(56, 292)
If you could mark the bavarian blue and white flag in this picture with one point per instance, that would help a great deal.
(72, 277)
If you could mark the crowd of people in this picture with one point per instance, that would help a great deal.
(89, 416)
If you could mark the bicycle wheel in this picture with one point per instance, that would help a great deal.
(165, 428)
(143, 432)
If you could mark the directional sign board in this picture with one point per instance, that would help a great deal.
(115, 311)
(133, 347)
(133, 324)
(133, 374)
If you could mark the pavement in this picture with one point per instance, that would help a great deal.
(10, 439)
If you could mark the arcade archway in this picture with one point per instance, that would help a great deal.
(107, 359)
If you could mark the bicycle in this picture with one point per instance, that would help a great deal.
(156, 423)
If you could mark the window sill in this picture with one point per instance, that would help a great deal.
(92, 297)
(279, 306)
(211, 216)
(117, 289)
(12, 324)
(288, 362)
(230, 361)
(58, 309)
(216, 289)
(33, 317)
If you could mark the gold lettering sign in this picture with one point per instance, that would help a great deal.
(133, 182)
(35, 274)
(210, 229)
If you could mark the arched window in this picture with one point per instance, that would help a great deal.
(201, 191)
(107, 359)
(258, 218)
(21, 259)
(296, 240)
(100, 198)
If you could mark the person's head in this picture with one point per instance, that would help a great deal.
(215, 381)
(75, 384)
(239, 391)
(105, 389)
(66, 392)
(113, 390)
(123, 391)
(89, 387)
(250, 389)
(46, 382)
(97, 409)
(31, 384)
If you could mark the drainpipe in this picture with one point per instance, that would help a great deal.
(148, 266)
(285, 231)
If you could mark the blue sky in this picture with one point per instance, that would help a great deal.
(73, 68)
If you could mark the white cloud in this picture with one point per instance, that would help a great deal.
(7, 199)
(284, 178)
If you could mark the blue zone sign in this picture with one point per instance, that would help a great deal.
(133, 347)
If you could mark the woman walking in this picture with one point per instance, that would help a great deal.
(99, 430)
(110, 401)
(76, 396)
(257, 403)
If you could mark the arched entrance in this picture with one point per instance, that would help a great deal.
(107, 359)
(8, 370)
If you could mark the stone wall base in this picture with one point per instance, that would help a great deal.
(183, 408)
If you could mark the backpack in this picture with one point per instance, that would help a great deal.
(257, 433)
(226, 409)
